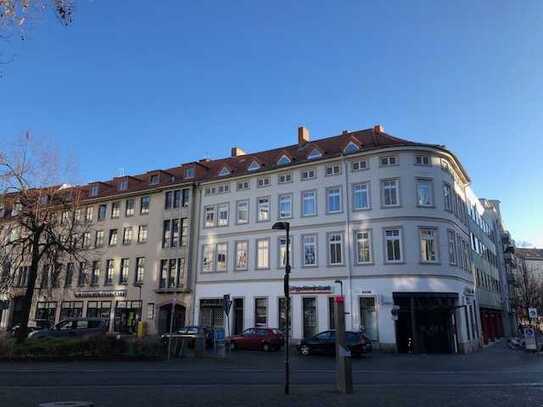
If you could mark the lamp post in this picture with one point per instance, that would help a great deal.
(341, 285)
(286, 227)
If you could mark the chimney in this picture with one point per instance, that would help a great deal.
(303, 136)
(236, 152)
(378, 129)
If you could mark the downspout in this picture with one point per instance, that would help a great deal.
(194, 244)
(348, 238)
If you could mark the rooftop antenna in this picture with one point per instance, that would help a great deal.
(121, 172)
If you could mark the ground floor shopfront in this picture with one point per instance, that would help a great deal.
(491, 324)
(397, 314)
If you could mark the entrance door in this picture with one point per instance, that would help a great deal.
(310, 316)
(368, 317)
(165, 318)
(212, 313)
(238, 316)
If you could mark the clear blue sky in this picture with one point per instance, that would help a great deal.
(163, 82)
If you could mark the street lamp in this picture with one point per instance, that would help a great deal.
(286, 227)
(340, 284)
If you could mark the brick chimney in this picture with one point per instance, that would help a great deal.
(378, 129)
(303, 136)
(236, 152)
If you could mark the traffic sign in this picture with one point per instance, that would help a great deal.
(532, 313)
(529, 338)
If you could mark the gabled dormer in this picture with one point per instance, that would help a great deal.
(284, 159)
(351, 147)
(314, 153)
(254, 166)
(224, 171)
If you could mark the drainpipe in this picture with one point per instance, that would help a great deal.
(348, 238)
(194, 233)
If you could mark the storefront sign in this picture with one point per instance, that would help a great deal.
(100, 294)
(311, 289)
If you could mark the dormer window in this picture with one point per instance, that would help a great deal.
(350, 148)
(284, 160)
(254, 166)
(123, 185)
(189, 172)
(224, 172)
(94, 190)
(314, 154)
(154, 179)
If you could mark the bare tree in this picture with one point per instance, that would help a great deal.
(15, 14)
(42, 225)
(528, 289)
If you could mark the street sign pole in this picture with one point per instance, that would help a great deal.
(344, 373)
(171, 329)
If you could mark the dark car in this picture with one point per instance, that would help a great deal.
(38, 324)
(73, 328)
(265, 339)
(194, 332)
(325, 343)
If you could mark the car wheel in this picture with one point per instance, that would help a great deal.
(304, 350)
(233, 346)
(266, 347)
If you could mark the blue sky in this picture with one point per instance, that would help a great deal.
(155, 84)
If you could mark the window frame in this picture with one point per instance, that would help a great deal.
(220, 206)
(315, 194)
(435, 231)
(236, 264)
(342, 249)
(316, 251)
(291, 200)
(258, 198)
(398, 193)
(268, 240)
(401, 245)
(370, 248)
(422, 181)
(340, 191)
(368, 195)
(238, 203)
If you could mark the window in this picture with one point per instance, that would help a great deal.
(284, 178)
(422, 159)
(95, 273)
(99, 239)
(145, 203)
(361, 196)
(110, 270)
(185, 197)
(86, 240)
(127, 235)
(334, 169)
(69, 276)
(263, 182)
(262, 254)
(209, 216)
(46, 310)
(447, 197)
(390, 192)
(129, 207)
(102, 211)
(189, 172)
(94, 190)
(335, 249)
(71, 309)
(309, 203)
(224, 172)
(363, 247)
(242, 253)
(125, 269)
(123, 185)
(428, 245)
(82, 276)
(184, 232)
(261, 312)
(115, 210)
(333, 200)
(314, 154)
(263, 209)
(283, 252)
(368, 318)
(222, 250)
(393, 246)
(166, 233)
(309, 244)
(242, 212)
(452, 247)
(242, 185)
(309, 309)
(140, 270)
(308, 174)
(88, 214)
(223, 214)
(142, 233)
(388, 161)
(285, 206)
(113, 237)
(359, 165)
(284, 160)
(171, 273)
(350, 148)
(208, 256)
(253, 166)
(425, 192)
(154, 179)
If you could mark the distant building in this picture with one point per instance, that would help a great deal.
(533, 259)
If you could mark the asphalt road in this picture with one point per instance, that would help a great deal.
(494, 377)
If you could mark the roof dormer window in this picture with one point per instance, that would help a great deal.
(154, 179)
(283, 160)
(224, 172)
(94, 190)
(123, 185)
(189, 172)
(253, 166)
(350, 148)
(314, 154)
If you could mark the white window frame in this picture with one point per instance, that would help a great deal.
(435, 233)
(400, 245)
(328, 196)
(243, 185)
(208, 249)
(368, 195)
(263, 182)
(236, 250)
(258, 207)
(281, 252)
(388, 159)
(333, 170)
(284, 178)
(283, 160)
(368, 232)
(308, 172)
(238, 205)
(358, 163)
(254, 166)
(219, 246)
(452, 247)
(430, 183)
(349, 150)
(257, 266)
(315, 198)
(314, 154)
(423, 157)
(290, 199)
(397, 187)
(223, 223)
(214, 211)
(329, 243)
(316, 251)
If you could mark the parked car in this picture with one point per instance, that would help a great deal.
(325, 343)
(73, 328)
(265, 339)
(194, 332)
(32, 326)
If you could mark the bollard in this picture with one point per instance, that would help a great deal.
(67, 404)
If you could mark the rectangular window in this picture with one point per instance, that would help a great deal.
(310, 325)
(127, 235)
(308, 174)
(69, 276)
(261, 312)
(123, 185)
(359, 165)
(95, 273)
(335, 248)
(102, 211)
(129, 207)
(168, 200)
(363, 247)
(184, 232)
(113, 237)
(447, 197)
(284, 178)
(334, 169)
(333, 200)
(142, 233)
(166, 233)
(185, 197)
(390, 192)
(222, 214)
(88, 214)
(145, 203)
(125, 269)
(71, 309)
(175, 233)
(283, 252)
(263, 182)
(172, 273)
(425, 193)
(189, 172)
(154, 179)
(361, 196)
(388, 161)
(422, 159)
(428, 245)
(163, 273)
(393, 245)
(208, 257)
(242, 212)
(309, 203)
(262, 254)
(99, 239)
(263, 209)
(242, 185)
(222, 250)
(309, 243)
(452, 247)
(115, 210)
(85, 241)
(242, 254)
(209, 216)
(94, 190)
(82, 276)
(285, 206)
(110, 270)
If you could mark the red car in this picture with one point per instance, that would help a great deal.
(265, 339)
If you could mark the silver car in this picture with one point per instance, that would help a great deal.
(73, 328)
